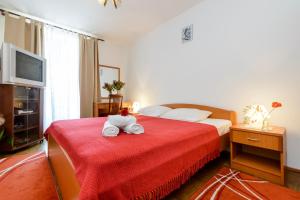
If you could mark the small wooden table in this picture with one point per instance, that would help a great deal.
(261, 153)
(100, 107)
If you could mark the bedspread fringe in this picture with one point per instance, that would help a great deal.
(175, 183)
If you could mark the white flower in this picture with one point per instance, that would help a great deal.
(2, 121)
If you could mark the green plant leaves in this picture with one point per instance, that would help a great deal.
(116, 85)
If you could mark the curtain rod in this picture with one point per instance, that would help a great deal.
(3, 10)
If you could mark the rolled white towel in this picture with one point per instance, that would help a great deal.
(121, 121)
(134, 129)
(110, 130)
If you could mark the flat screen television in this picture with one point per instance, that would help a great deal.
(21, 67)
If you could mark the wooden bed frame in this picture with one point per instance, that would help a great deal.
(63, 169)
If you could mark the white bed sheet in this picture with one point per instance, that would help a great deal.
(222, 125)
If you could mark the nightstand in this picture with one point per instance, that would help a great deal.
(261, 153)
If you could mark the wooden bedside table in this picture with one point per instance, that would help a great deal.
(261, 153)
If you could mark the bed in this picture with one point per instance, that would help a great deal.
(71, 172)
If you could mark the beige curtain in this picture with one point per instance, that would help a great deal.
(24, 33)
(88, 75)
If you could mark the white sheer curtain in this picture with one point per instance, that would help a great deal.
(62, 96)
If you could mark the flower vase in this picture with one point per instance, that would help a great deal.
(265, 125)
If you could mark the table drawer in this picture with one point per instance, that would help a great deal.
(257, 139)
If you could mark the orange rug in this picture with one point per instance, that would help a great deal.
(232, 185)
(26, 177)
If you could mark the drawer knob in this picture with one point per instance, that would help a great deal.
(253, 139)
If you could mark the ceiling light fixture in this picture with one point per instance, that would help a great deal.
(116, 2)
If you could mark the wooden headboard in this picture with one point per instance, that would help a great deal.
(217, 113)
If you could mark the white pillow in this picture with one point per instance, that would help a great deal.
(187, 114)
(154, 111)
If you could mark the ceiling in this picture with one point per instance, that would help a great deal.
(132, 19)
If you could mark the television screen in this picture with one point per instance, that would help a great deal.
(28, 67)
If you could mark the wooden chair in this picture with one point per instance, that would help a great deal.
(115, 104)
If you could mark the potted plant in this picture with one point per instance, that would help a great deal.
(109, 87)
(118, 85)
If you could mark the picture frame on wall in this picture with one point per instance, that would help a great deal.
(187, 33)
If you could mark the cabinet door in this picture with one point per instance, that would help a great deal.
(20, 92)
(26, 115)
(33, 118)
(20, 100)
(33, 93)
(33, 134)
(20, 119)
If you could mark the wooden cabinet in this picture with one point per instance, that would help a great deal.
(22, 108)
(261, 153)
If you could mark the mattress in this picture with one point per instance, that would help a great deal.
(222, 125)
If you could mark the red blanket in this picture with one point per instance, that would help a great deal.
(147, 166)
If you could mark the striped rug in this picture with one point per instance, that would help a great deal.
(26, 177)
(230, 184)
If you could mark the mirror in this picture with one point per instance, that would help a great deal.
(107, 74)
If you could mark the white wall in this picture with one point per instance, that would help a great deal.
(115, 55)
(243, 52)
